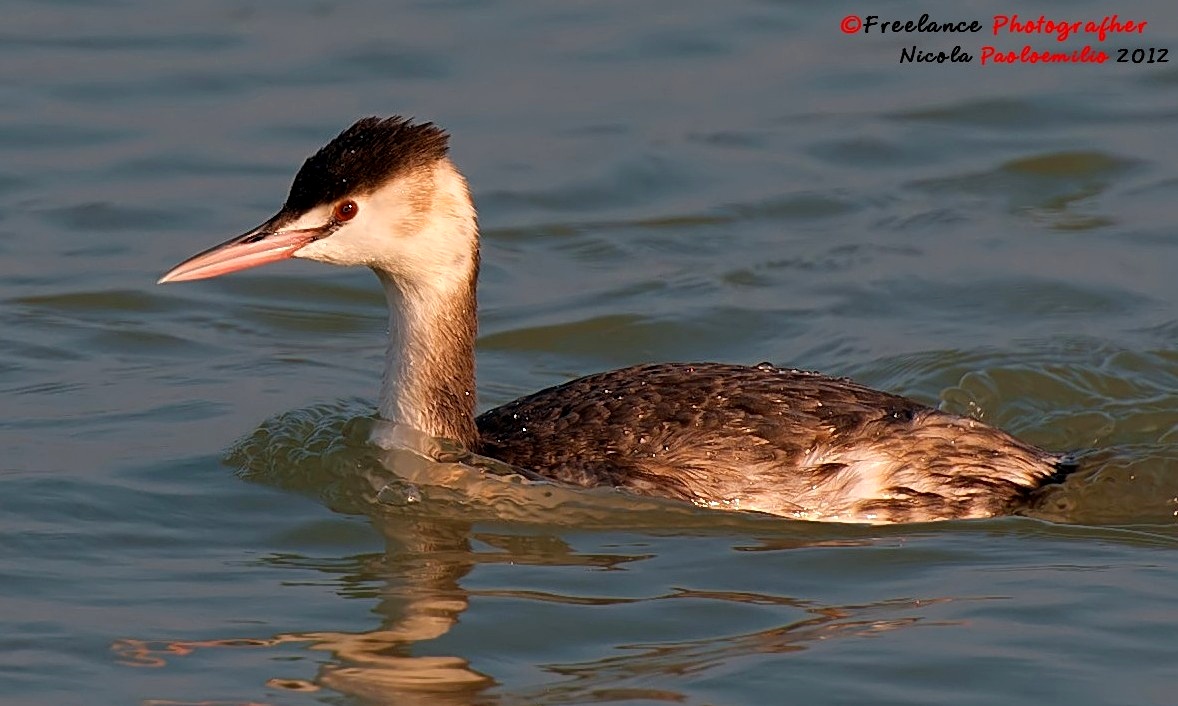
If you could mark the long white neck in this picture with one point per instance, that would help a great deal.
(429, 381)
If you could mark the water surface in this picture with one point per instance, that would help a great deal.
(191, 514)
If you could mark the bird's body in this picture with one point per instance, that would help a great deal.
(786, 442)
(799, 444)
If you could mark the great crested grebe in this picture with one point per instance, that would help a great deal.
(384, 194)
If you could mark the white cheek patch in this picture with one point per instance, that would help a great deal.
(312, 251)
(415, 240)
(339, 248)
(349, 245)
(314, 218)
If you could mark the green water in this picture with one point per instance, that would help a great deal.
(189, 511)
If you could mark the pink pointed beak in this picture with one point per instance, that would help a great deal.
(260, 246)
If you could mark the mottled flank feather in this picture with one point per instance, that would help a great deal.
(786, 442)
(362, 158)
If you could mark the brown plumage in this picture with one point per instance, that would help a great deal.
(384, 194)
(787, 442)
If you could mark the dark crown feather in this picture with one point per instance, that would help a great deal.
(361, 158)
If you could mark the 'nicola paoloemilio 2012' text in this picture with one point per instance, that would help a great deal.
(1095, 31)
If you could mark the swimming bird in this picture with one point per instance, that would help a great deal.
(385, 194)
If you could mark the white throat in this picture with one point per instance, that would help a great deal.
(429, 280)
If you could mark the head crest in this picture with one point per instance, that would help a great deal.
(363, 157)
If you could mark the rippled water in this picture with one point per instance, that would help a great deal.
(191, 513)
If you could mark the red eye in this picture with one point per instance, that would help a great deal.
(346, 210)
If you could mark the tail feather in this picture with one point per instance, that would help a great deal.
(1066, 465)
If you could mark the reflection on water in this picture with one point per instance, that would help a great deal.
(438, 528)
(619, 678)
(420, 598)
